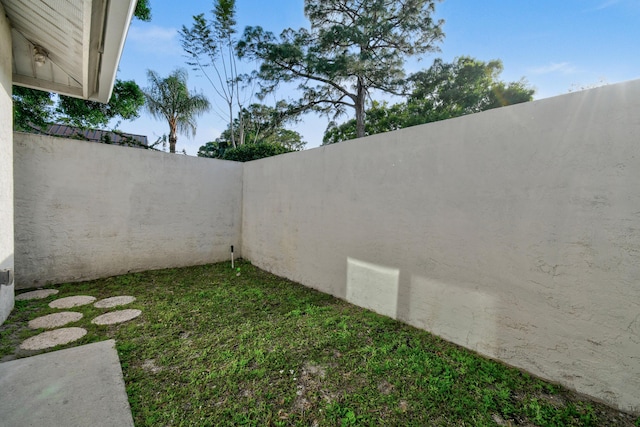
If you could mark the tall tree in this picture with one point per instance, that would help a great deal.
(169, 99)
(464, 86)
(211, 47)
(443, 91)
(33, 107)
(352, 48)
(262, 125)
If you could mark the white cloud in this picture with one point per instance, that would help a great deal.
(154, 39)
(555, 67)
(606, 4)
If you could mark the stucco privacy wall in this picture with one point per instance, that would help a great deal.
(86, 210)
(514, 232)
(6, 165)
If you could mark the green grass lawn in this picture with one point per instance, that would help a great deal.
(214, 347)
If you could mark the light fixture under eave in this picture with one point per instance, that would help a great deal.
(40, 55)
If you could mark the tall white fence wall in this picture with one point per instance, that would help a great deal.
(514, 232)
(87, 210)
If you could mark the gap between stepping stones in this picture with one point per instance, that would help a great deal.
(39, 294)
(70, 302)
(53, 338)
(114, 301)
(55, 320)
(118, 316)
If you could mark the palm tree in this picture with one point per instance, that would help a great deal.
(169, 99)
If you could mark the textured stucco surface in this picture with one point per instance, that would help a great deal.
(6, 165)
(514, 232)
(88, 210)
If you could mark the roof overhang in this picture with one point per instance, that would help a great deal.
(71, 47)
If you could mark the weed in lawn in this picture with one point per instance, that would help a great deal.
(216, 348)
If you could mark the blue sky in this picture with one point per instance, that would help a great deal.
(556, 45)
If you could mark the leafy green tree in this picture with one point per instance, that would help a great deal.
(261, 124)
(211, 47)
(212, 149)
(169, 99)
(443, 91)
(352, 48)
(33, 107)
(125, 103)
(464, 86)
(248, 152)
(381, 117)
(143, 11)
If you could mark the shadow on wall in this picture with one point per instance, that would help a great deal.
(460, 314)
(373, 286)
(559, 345)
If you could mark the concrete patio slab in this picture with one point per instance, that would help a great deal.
(80, 386)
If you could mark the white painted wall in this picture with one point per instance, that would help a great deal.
(87, 210)
(514, 232)
(6, 165)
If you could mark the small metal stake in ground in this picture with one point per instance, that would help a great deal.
(231, 256)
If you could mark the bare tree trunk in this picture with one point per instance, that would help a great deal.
(241, 130)
(359, 104)
(233, 139)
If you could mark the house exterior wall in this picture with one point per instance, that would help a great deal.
(514, 232)
(86, 210)
(6, 166)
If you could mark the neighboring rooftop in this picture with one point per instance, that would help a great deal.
(94, 135)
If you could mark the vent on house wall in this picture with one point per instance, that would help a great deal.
(6, 277)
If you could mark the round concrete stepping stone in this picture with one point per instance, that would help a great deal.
(118, 316)
(70, 302)
(114, 301)
(39, 294)
(53, 338)
(55, 320)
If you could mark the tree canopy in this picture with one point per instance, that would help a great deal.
(352, 48)
(143, 10)
(126, 101)
(262, 124)
(248, 152)
(33, 107)
(168, 98)
(443, 91)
